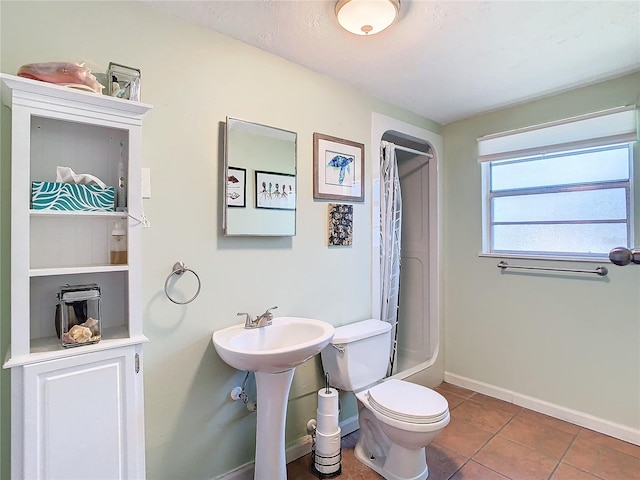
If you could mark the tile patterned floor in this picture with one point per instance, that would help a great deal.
(488, 439)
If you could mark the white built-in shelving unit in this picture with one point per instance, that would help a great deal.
(51, 385)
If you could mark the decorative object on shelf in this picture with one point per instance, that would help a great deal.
(275, 190)
(236, 187)
(68, 196)
(78, 315)
(338, 169)
(178, 269)
(72, 192)
(124, 82)
(340, 225)
(366, 17)
(118, 245)
(66, 74)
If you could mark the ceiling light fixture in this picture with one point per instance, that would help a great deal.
(366, 17)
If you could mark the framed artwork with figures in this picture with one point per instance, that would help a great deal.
(275, 190)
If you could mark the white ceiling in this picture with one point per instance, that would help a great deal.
(444, 60)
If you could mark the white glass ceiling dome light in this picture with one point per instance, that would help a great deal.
(366, 17)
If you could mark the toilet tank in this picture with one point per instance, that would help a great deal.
(358, 355)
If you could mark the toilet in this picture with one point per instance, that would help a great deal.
(398, 419)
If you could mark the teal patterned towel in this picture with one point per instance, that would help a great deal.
(68, 196)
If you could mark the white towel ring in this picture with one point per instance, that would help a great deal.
(178, 269)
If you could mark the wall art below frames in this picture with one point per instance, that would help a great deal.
(275, 190)
(236, 187)
(340, 225)
(338, 169)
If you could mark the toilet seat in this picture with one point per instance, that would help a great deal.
(407, 402)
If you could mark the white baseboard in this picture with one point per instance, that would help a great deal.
(576, 417)
(245, 472)
(349, 425)
(295, 451)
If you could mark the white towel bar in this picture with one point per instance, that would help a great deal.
(601, 271)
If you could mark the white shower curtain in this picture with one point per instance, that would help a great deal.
(390, 236)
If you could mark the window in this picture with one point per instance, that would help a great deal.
(566, 204)
(552, 194)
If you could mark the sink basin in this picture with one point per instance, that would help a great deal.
(281, 346)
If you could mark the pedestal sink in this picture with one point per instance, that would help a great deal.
(272, 352)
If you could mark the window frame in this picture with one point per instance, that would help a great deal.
(488, 196)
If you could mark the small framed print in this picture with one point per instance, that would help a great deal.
(340, 225)
(236, 187)
(338, 169)
(275, 190)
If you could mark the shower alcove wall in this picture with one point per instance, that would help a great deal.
(420, 342)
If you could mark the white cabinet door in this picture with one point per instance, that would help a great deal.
(82, 417)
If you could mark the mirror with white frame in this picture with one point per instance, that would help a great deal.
(260, 189)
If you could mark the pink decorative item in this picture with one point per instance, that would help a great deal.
(67, 74)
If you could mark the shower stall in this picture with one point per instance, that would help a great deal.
(406, 251)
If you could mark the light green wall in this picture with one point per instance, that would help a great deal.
(195, 78)
(571, 340)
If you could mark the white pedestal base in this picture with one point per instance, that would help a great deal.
(273, 394)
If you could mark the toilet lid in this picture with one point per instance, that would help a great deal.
(407, 402)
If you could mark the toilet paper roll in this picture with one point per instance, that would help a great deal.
(328, 402)
(326, 424)
(328, 445)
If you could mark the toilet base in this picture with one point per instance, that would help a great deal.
(410, 464)
(396, 454)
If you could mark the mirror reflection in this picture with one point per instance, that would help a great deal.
(260, 191)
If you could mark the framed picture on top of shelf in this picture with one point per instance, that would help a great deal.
(338, 169)
(236, 187)
(275, 190)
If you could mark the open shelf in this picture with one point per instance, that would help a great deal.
(76, 213)
(50, 348)
(52, 271)
(81, 240)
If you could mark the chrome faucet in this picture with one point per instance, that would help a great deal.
(260, 321)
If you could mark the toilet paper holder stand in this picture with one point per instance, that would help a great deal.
(324, 466)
